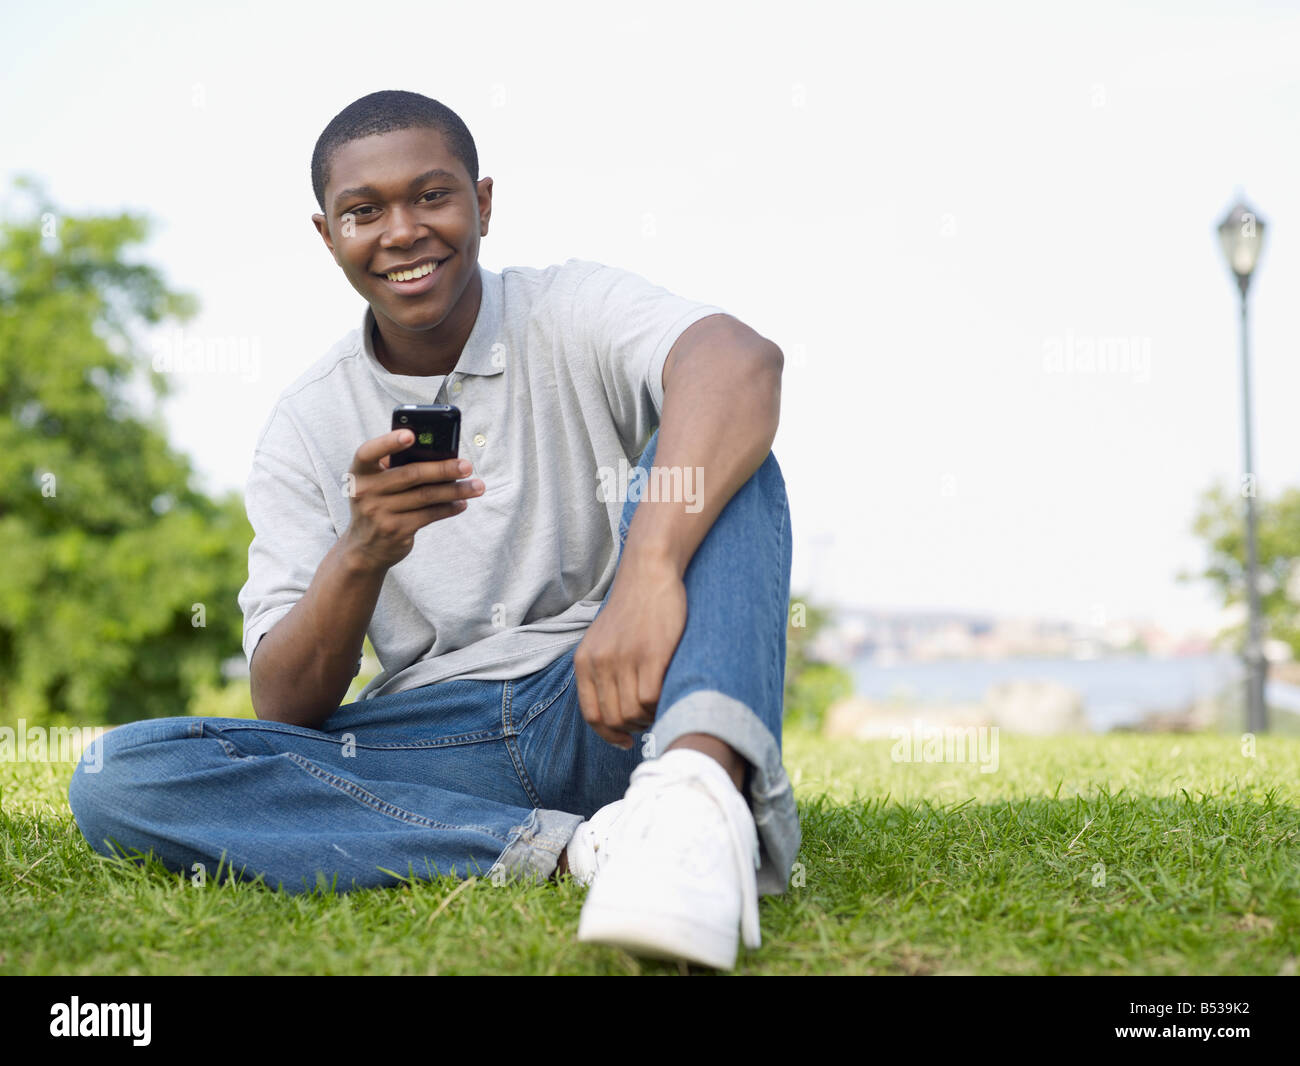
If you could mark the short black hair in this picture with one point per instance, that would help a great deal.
(386, 112)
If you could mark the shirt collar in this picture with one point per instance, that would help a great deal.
(475, 358)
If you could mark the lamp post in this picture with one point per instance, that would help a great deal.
(1242, 235)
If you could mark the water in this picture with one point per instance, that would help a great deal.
(1115, 691)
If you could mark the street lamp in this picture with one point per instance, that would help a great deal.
(1242, 235)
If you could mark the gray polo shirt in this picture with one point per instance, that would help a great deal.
(561, 379)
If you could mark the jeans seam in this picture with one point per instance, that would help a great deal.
(541, 705)
(458, 740)
(512, 747)
(380, 806)
(454, 740)
(778, 668)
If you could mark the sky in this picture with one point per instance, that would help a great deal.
(929, 207)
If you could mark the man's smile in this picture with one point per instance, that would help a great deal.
(411, 280)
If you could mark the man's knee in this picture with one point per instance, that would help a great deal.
(111, 777)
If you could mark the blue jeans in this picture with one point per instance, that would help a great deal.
(464, 777)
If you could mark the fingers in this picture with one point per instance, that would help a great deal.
(425, 492)
(607, 694)
(426, 495)
(375, 455)
(649, 685)
(611, 703)
(368, 455)
(413, 475)
(633, 717)
(589, 702)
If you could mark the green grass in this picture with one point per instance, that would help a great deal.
(910, 868)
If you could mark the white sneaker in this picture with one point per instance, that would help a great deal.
(677, 877)
(589, 848)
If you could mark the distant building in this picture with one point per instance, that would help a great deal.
(886, 636)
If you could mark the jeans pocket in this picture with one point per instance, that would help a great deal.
(551, 697)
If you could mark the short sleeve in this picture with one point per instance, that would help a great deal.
(292, 530)
(627, 325)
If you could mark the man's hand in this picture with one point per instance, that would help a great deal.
(621, 662)
(390, 504)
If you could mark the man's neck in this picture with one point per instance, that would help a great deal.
(425, 354)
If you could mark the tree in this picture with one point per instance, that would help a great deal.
(1220, 522)
(119, 576)
(810, 686)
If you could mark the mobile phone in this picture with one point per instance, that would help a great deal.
(437, 432)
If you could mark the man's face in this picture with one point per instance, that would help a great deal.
(397, 200)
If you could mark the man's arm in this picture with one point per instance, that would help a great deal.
(302, 667)
(722, 401)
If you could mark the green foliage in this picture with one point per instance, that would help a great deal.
(1221, 522)
(816, 687)
(810, 687)
(108, 549)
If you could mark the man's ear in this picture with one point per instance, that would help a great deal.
(484, 205)
(322, 227)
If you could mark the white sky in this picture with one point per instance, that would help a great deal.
(913, 200)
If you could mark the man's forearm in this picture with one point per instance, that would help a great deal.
(302, 668)
(722, 403)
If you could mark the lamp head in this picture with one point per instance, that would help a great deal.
(1241, 234)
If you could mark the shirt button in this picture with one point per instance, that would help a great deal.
(455, 388)
(479, 439)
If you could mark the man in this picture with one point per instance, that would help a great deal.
(566, 628)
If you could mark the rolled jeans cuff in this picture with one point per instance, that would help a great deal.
(533, 850)
(771, 798)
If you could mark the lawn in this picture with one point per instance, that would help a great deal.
(1093, 855)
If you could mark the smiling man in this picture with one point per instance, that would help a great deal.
(572, 681)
